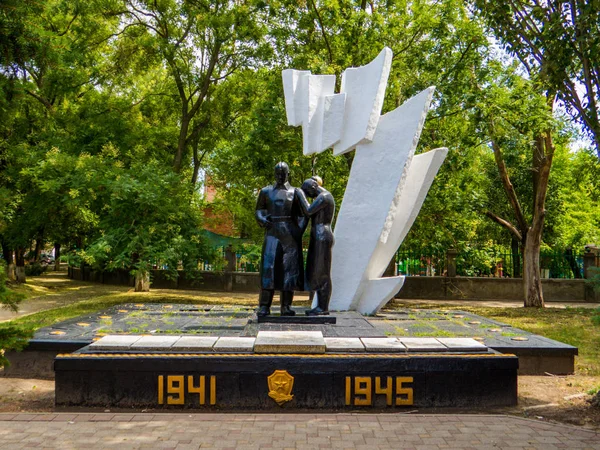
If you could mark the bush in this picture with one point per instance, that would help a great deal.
(35, 269)
(594, 280)
(11, 336)
(596, 317)
(595, 400)
(8, 298)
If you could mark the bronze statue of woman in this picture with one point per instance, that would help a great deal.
(318, 259)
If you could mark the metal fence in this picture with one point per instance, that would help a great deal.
(470, 262)
(425, 263)
(488, 262)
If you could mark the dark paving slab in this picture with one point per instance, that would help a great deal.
(348, 324)
(240, 321)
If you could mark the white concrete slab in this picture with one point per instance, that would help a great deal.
(405, 207)
(296, 97)
(377, 292)
(115, 342)
(154, 343)
(234, 344)
(319, 86)
(383, 345)
(343, 345)
(304, 342)
(375, 178)
(195, 343)
(422, 344)
(386, 188)
(365, 90)
(333, 120)
(463, 345)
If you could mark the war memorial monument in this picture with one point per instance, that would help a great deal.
(334, 355)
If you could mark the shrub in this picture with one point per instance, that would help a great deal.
(8, 298)
(594, 280)
(35, 269)
(596, 317)
(11, 337)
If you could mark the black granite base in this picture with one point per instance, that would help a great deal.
(236, 382)
(298, 320)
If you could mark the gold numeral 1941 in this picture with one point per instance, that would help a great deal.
(177, 387)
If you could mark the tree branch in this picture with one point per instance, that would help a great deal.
(508, 187)
(41, 99)
(312, 2)
(69, 24)
(506, 224)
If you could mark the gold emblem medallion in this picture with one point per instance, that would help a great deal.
(281, 384)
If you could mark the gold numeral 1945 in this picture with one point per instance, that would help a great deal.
(360, 393)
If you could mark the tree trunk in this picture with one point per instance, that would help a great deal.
(12, 272)
(20, 269)
(182, 142)
(516, 257)
(390, 270)
(571, 259)
(7, 255)
(39, 244)
(142, 282)
(532, 280)
(57, 256)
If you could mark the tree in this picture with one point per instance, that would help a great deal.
(558, 43)
(146, 217)
(11, 337)
(48, 67)
(201, 43)
(434, 43)
(578, 221)
(515, 117)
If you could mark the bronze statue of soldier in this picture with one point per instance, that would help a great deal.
(318, 259)
(279, 212)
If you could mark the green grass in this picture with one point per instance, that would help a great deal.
(579, 327)
(573, 326)
(434, 333)
(89, 298)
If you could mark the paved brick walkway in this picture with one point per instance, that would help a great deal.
(299, 431)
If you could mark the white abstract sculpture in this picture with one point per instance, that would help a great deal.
(387, 183)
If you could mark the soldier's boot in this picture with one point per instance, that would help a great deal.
(323, 299)
(264, 303)
(322, 308)
(286, 303)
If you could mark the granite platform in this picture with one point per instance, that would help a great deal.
(205, 327)
(284, 369)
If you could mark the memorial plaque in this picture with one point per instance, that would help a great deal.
(237, 382)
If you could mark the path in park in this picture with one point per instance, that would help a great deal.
(294, 431)
(57, 290)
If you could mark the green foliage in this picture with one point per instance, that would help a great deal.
(8, 298)
(12, 337)
(596, 316)
(35, 269)
(594, 280)
(250, 255)
(557, 42)
(109, 108)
